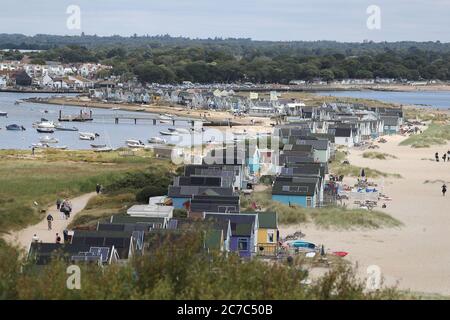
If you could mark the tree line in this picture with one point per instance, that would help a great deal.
(165, 59)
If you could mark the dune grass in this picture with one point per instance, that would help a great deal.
(334, 217)
(378, 155)
(28, 186)
(338, 167)
(435, 134)
(103, 206)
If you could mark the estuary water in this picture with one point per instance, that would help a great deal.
(111, 134)
(435, 99)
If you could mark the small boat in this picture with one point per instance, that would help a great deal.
(40, 145)
(48, 139)
(44, 124)
(3, 114)
(140, 109)
(88, 135)
(240, 133)
(104, 149)
(179, 130)
(134, 143)
(165, 117)
(15, 127)
(340, 253)
(98, 146)
(45, 130)
(58, 147)
(60, 128)
(17, 102)
(168, 133)
(300, 244)
(164, 121)
(115, 108)
(157, 140)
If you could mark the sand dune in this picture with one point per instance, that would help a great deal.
(415, 256)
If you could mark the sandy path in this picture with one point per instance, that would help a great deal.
(416, 255)
(24, 237)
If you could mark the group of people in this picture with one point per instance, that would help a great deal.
(65, 207)
(445, 156)
(58, 237)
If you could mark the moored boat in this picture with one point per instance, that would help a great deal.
(48, 139)
(60, 128)
(98, 146)
(134, 143)
(157, 140)
(179, 130)
(88, 135)
(45, 130)
(3, 114)
(168, 133)
(104, 149)
(15, 127)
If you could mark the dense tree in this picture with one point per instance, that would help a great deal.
(167, 59)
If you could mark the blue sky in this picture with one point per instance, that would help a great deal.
(419, 20)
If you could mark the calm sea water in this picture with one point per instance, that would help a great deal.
(110, 133)
(435, 99)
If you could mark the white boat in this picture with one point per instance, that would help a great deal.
(134, 143)
(165, 117)
(164, 121)
(179, 130)
(104, 149)
(157, 140)
(115, 108)
(3, 114)
(87, 135)
(40, 145)
(45, 130)
(168, 133)
(240, 133)
(44, 124)
(48, 139)
(58, 147)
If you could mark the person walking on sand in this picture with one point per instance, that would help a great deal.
(58, 238)
(437, 156)
(97, 188)
(35, 238)
(49, 221)
(58, 204)
(444, 157)
(444, 189)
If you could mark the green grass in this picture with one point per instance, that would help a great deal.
(378, 155)
(102, 207)
(435, 134)
(337, 167)
(24, 180)
(328, 217)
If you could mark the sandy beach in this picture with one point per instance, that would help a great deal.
(415, 256)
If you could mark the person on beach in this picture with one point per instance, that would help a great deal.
(436, 155)
(444, 157)
(49, 221)
(32, 151)
(97, 188)
(444, 189)
(35, 238)
(66, 235)
(58, 204)
(58, 238)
